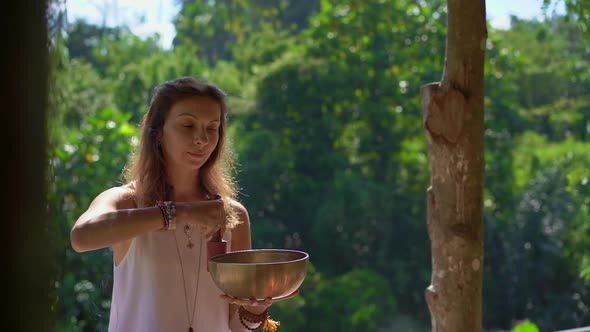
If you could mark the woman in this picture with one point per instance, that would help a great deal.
(178, 194)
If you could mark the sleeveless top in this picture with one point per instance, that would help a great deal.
(148, 293)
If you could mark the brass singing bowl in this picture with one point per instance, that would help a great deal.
(259, 273)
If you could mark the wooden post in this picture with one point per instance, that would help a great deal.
(28, 253)
(453, 113)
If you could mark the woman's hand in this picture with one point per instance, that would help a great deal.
(208, 216)
(256, 306)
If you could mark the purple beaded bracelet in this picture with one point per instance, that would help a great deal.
(168, 209)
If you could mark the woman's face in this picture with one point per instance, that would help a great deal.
(191, 132)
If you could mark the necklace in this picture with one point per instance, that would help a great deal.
(190, 320)
(188, 230)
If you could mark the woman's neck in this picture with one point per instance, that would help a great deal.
(186, 186)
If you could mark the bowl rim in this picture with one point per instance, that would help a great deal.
(304, 258)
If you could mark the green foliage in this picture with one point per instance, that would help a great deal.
(577, 10)
(559, 109)
(145, 74)
(217, 26)
(361, 301)
(86, 164)
(341, 149)
(526, 326)
(542, 246)
(86, 41)
(79, 93)
(535, 139)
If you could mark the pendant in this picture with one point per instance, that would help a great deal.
(190, 329)
(188, 230)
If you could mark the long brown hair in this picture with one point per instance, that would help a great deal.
(146, 170)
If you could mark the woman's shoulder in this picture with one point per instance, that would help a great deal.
(123, 196)
(238, 206)
(128, 195)
(239, 213)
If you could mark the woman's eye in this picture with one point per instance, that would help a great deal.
(212, 129)
(187, 125)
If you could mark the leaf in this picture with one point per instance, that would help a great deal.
(527, 326)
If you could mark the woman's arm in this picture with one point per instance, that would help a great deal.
(113, 219)
(240, 240)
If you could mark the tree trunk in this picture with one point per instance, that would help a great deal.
(28, 252)
(454, 124)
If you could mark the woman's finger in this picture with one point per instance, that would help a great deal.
(252, 302)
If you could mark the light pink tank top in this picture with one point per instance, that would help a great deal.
(148, 294)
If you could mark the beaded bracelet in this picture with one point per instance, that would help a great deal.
(168, 209)
(263, 320)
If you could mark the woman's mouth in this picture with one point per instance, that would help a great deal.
(197, 154)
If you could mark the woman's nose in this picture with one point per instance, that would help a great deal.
(200, 137)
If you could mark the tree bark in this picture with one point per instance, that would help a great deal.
(453, 113)
(28, 249)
